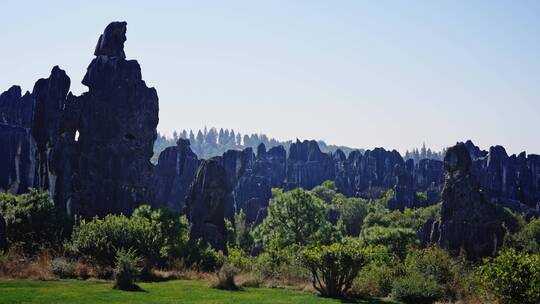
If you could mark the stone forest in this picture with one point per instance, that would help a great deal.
(82, 197)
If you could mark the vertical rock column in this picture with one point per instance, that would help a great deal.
(206, 203)
(468, 221)
(117, 129)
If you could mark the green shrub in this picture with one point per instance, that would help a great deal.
(333, 267)
(159, 236)
(397, 240)
(127, 268)
(297, 217)
(239, 259)
(62, 268)
(433, 263)
(527, 238)
(239, 232)
(281, 264)
(352, 212)
(512, 277)
(226, 276)
(414, 288)
(408, 218)
(32, 221)
(98, 240)
(376, 278)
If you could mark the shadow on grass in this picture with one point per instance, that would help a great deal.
(369, 301)
(132, 288)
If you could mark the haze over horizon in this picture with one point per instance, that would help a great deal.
(361, 74)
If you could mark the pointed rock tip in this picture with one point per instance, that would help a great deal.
(111, 42)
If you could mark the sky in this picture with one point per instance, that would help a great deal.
(364, 74)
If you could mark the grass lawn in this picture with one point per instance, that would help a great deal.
(91, 292)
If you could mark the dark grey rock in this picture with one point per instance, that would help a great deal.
(111, 42)
(206, 203)
(173, 176)
(117, 130)
(469, 221)
(307, 166)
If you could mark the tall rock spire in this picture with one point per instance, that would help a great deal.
(117, 129)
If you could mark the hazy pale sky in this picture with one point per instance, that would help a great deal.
(356, 73)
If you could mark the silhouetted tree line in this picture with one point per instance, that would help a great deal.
(423, 153)
(207, 143)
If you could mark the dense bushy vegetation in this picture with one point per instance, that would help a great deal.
(32, 222)
(342, 246)
(207, 143)
(159, 236)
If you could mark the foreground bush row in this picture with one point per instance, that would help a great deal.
(342, 246)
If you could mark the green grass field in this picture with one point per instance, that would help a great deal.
(91, 292)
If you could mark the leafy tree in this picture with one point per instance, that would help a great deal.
(211, 136)
(326, 191)
(432, 262)
(352, 212)
(297, 217)
(32, 221)
(527, 238)
(397, 240)
(200, 138)
(377, 277)
(408, 218)
(334, 267)
(513, 277)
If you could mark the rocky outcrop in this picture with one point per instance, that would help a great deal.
(111, 42)
(117, 129)
(17, 148)
(469, 221)
(91, 152)
(50, 95)
(369, 174)
(16, 109)
(515, 177)
(173, 176)
(206, 203)
(272, 165)
(404, 190)
(307, 166)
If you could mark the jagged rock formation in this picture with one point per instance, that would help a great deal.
(307, 166)
(404, 190)
(173, 176)
(3, 237)
(469, 221)
(510, 181)
(206, 203)
(50, 97)
(117, 129)
(271, 164)
(91, 152)
(17, 149)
